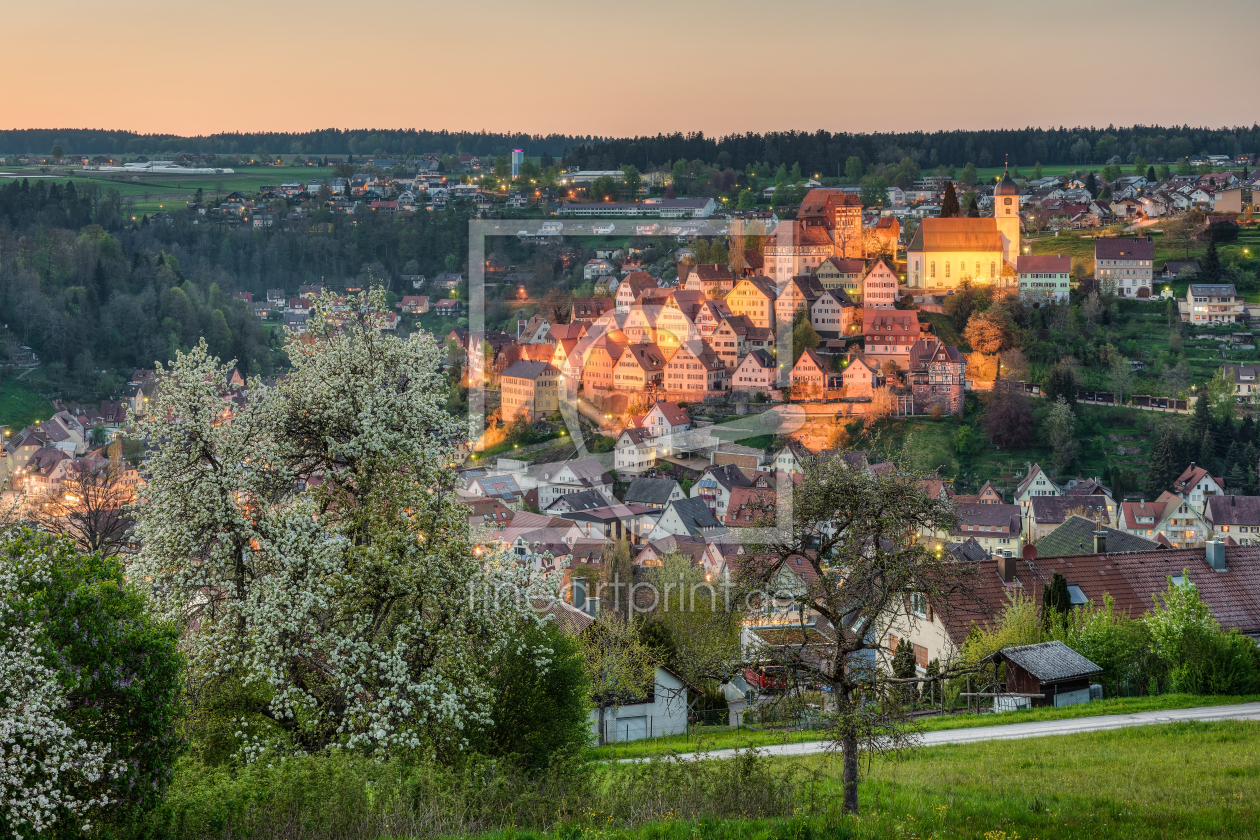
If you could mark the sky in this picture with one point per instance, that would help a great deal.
(621, 69)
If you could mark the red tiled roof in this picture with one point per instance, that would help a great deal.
(1131, 579)
(1044, 264)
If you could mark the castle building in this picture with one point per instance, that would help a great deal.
(828, 224)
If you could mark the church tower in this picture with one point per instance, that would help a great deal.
(1006, 214)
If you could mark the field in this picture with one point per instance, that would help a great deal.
(1172, 781)
(20, 405)
(153, 193)
(1188, 781)
(707, 738)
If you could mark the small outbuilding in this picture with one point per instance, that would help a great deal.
(1046, 674)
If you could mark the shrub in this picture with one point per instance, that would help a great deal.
(343, 795)
(541, 698)
(1200, 657)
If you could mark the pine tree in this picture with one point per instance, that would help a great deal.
(1233, 454)
(1247, 430)
(1236, 480)
(1248, 461)
(1207, 453)
(1056, 603)
(1201, 420)
(1165, 464)
(903, 666)
(949, 204)
(1209, 264)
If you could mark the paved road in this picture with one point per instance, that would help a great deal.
(1036, 729)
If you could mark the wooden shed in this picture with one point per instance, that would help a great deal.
(1060, 675)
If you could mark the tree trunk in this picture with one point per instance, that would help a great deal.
(602, 739)
(848, 743)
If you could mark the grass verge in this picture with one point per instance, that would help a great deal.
(725, 737)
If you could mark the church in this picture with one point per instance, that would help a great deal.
(944, 252)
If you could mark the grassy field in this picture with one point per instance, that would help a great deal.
(1191, 780)
(1080, 246)
(153, 193)
(1188, 781)
(725, 737)
(20, 405)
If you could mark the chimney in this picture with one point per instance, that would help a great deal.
(1100, 541)
(1231, 500)
(1006, 568)
(1216, 555)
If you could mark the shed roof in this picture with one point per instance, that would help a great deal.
(1049, 661)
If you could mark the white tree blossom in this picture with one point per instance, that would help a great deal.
(310, 540)
(42, 762)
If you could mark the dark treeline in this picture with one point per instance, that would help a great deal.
(90, 290)
(327, 141)
(825, 153)
(819, 152)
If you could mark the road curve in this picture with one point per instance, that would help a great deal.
(1034, 729)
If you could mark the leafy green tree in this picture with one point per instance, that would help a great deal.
(89, 682)
(1199, 656)
(694, 622)
(747, 201)
(621, 667)
(603, 188)
(1061, 429)
(965, 441)
(1120, 378)
(542, 700)
(803, 336)
(1037, 171)
(853, 169)
(1061, 382)
(949, 204)
(873, 191)
(630, 184)
(219, 335)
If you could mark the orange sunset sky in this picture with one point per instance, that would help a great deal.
(626, 68)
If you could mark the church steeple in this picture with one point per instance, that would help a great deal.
(1006, 213)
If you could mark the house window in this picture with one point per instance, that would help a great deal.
(993, 269)
(918, 604)
(947, 268)
(933, 274)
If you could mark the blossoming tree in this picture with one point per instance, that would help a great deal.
(308, 537)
